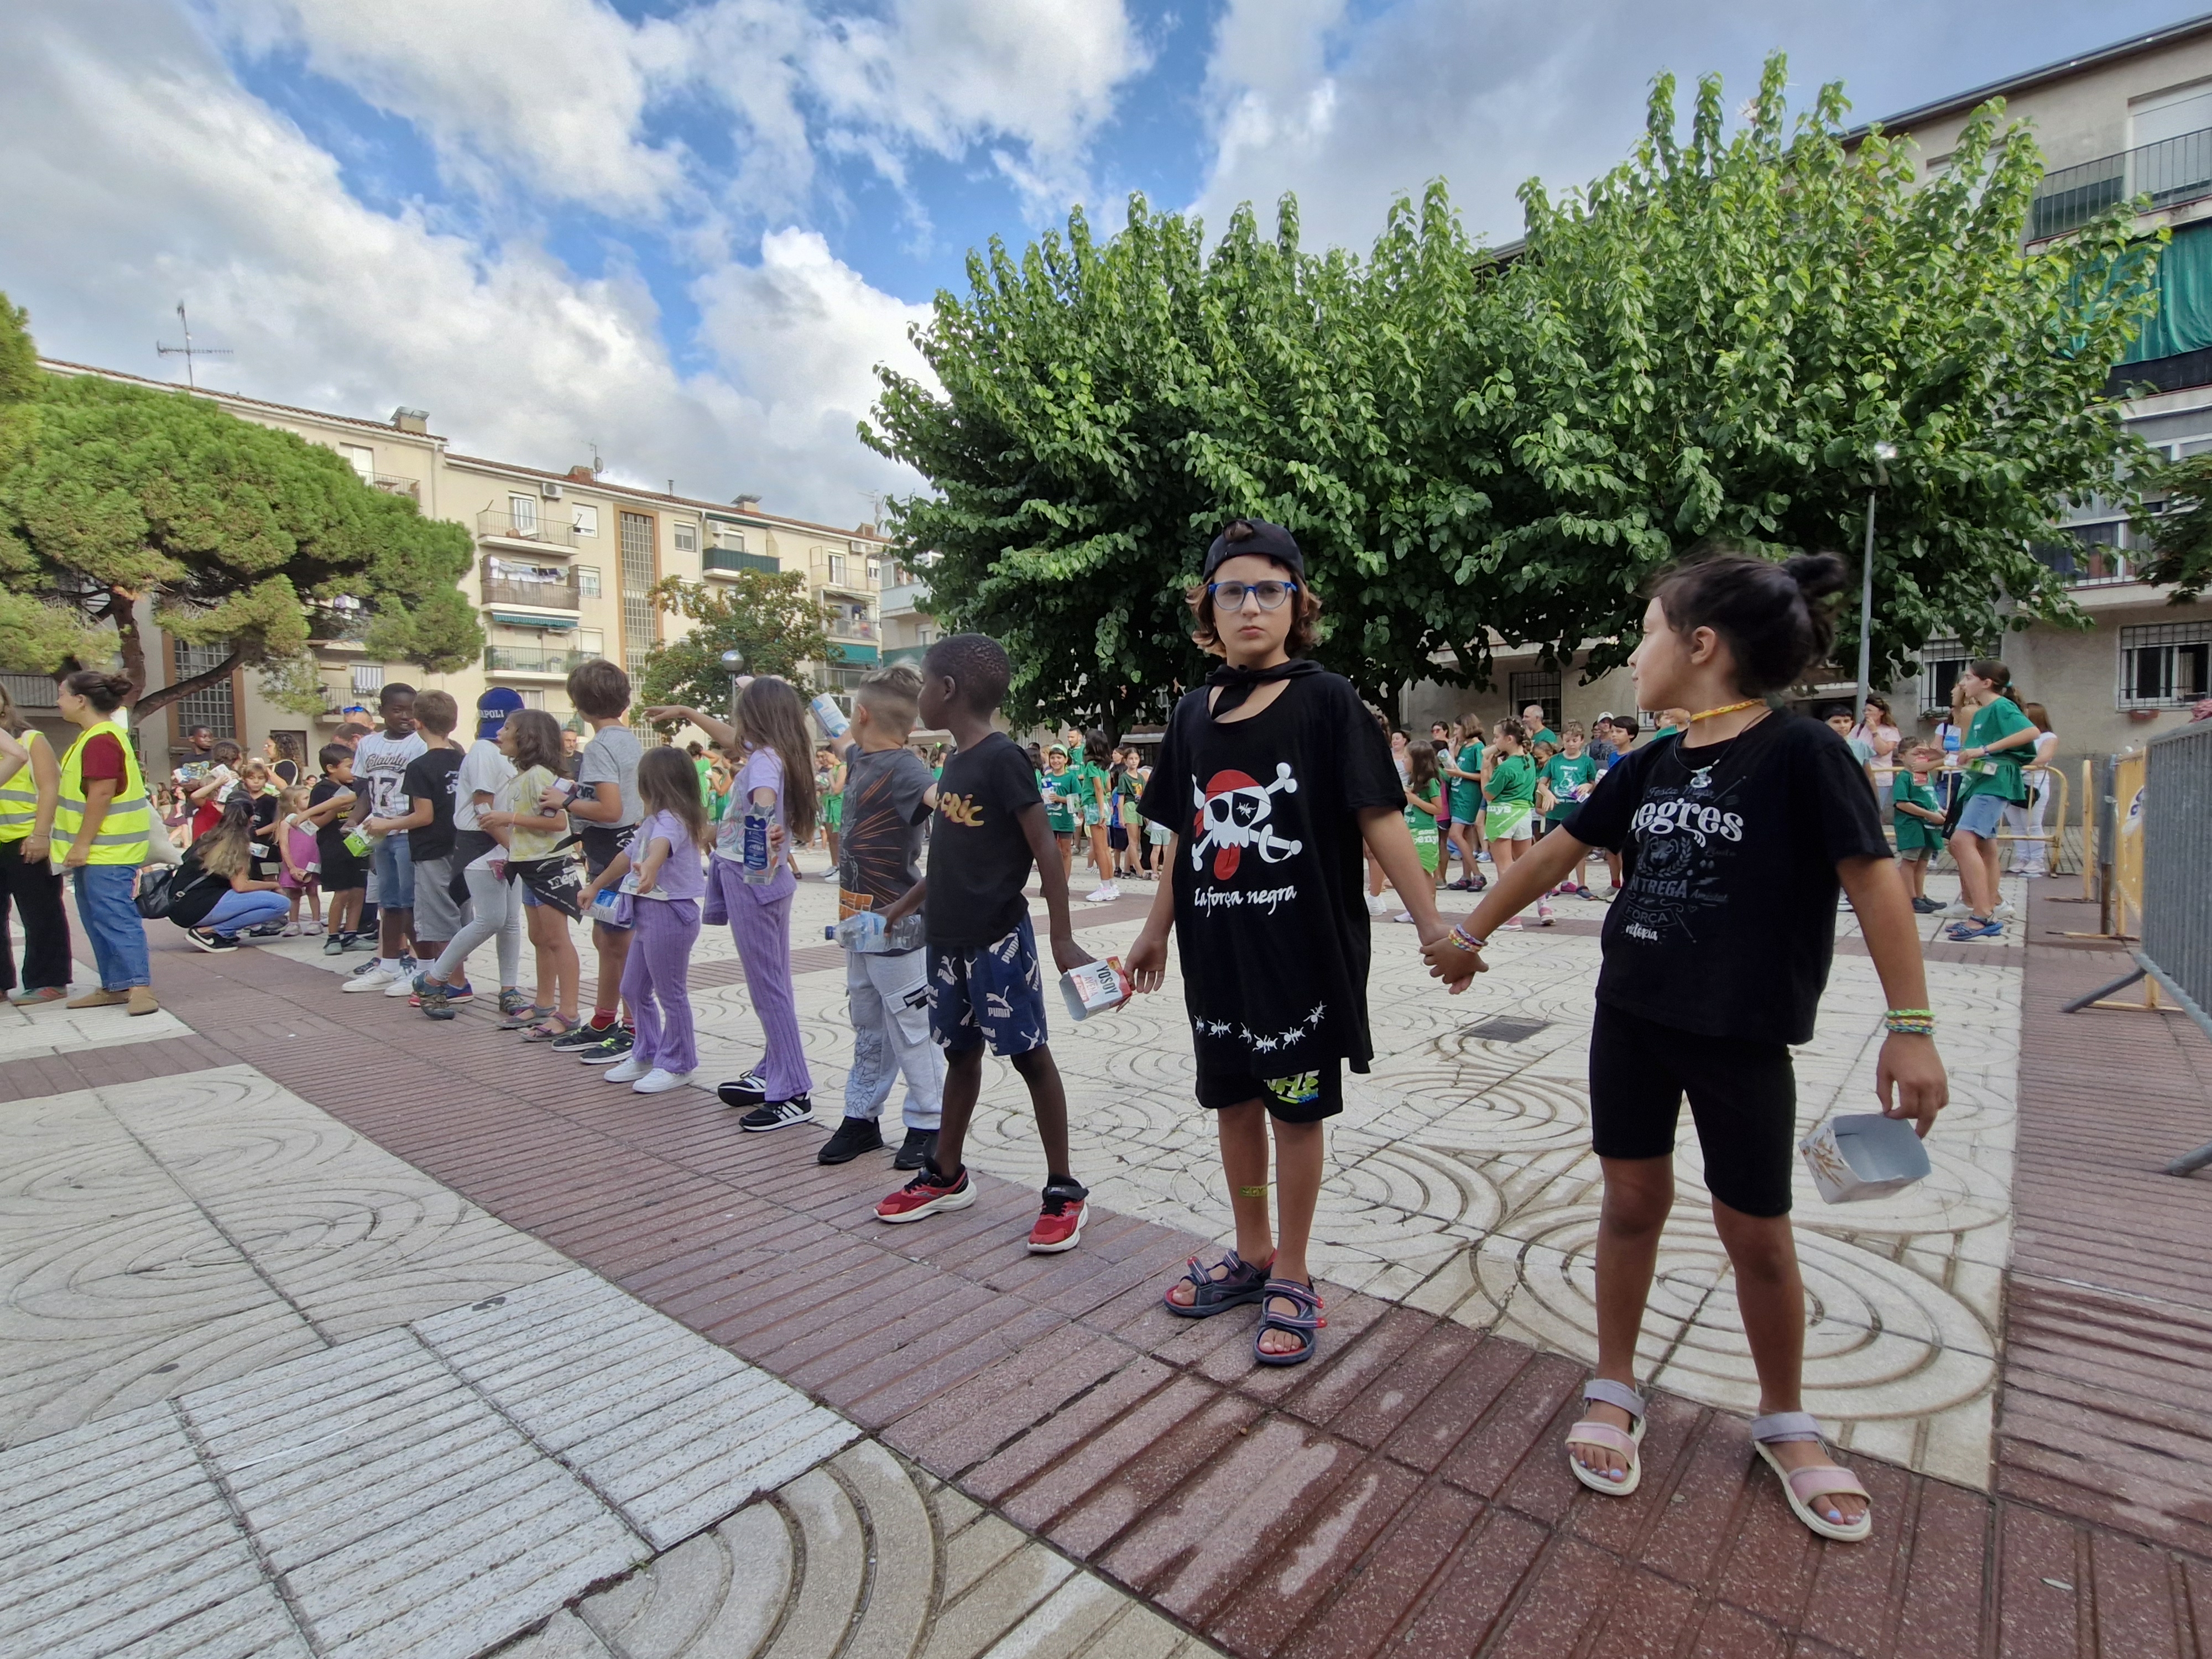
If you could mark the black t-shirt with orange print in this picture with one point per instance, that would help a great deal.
(979, 858)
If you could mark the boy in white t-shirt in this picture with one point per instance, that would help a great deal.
(380, 760)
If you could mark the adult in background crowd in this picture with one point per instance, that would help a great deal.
(2032, 857)
(287, 764)
(104, 816)
(1879, 733)
(30, 790)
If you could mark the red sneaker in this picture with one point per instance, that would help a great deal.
(927, 1194)
(1059, 1224)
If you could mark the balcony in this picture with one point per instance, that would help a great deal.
(508, 584)
(339, 630)
(846, 627)
(508, 662)
(911, 655)
(901, 598)
(509, 528)
(410, 488)
(39, 691)
(2171, 172)
(727, 562)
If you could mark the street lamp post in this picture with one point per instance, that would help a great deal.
(733, 663)
(1883, 454)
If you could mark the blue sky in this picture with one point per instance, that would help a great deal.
(685, 231)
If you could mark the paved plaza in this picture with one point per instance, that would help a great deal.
(331, 1331)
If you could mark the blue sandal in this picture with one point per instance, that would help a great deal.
(1306, 1322)
(1240, 1285)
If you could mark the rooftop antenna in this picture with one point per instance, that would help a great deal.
(188, 351)
(596, 467)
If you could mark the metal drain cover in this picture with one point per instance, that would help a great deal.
(1504, 1027)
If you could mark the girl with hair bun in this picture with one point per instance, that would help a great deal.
(1999, 738)
(1735, 834)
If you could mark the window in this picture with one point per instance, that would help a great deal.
(687, 539)
(211, 705)
(640, 619)
(924, 636)
(522, 514)
(367, 677)
(587, 581)
(2164, 664)
(837, 569)
(875, 573)
(587, 519)
(1940, 663)
(2169, 115)
(1539, 688)
(590, 641)
(730, 537)
(361, 458)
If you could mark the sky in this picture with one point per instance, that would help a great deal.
(682, 234)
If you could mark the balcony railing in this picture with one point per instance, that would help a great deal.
(410, 488)
(505, 660)
(506, 525)
(904, 596)
(337, 628)
(2086, 563)
(851, 628)
(2171, 171)
(538, 588)
(729, 562)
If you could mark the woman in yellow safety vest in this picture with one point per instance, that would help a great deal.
(30, 780)
(104, 817)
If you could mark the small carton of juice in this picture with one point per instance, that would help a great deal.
(1859, 1156)
(358, 844)
(1095, 988)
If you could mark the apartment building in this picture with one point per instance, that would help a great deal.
(564, 564)
(2134, 118)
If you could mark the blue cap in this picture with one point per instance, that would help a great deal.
(493, 708)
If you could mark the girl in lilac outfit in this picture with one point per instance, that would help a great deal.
(669, 883)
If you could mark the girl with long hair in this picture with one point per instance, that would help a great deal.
(214, 913)
(531, 739)
(1997, 739)
(1425, 794)
(660, 870)
(775, 776)
(30, 790)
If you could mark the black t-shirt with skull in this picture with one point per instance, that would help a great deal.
(1270, 917)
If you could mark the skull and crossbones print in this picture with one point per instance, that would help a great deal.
(1233, 812)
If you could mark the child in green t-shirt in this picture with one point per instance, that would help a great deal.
(1062, 792)
(1508, 789)
(1565, 781)
(1425, 793)
(1999, 737)
(1918, 816)
(1464, 791)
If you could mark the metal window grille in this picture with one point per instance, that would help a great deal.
(2165, 665)
(1940, 661)
(211, 705)
(367, 677)
(641, 621)
(1537, 687)
(587, 581)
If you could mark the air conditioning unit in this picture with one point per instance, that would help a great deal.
(549, 490)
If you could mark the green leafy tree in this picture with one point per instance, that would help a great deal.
(240, 535)
(768, 615)
(2177, 538)
(1711, 340)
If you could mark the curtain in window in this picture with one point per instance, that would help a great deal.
(2183, 321)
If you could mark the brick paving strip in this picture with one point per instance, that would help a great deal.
(1407, 1491)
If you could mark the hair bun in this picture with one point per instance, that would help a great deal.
(1817, 574)
(119, 684)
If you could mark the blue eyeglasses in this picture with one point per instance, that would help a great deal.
(1271, 595)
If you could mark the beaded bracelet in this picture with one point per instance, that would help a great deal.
(1465, 940)
(1910, 1022)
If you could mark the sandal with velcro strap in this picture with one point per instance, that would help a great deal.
(1306, 1323)
(1240, 1284)
(1801, 1486)
(1628, 1443)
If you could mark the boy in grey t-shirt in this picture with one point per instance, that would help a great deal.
(604, 810)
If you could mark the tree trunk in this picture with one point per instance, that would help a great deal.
(151, 703)
(122, 610)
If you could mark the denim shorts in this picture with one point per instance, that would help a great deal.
(395, 872)
(991, 993)
(1981, 815)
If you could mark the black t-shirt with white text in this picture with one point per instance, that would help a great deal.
(1271, 915)
(979, 858)
(1726, 925)
(431, 776)
(879, 851)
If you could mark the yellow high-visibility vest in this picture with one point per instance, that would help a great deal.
(19, 795)
(122, 837)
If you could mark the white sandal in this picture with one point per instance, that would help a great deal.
(1625, 1441)
(1801, 1486)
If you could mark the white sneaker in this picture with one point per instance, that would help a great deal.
(378, 978)
(2005, 913)
(1102, 895)
(1403, 916)
(627, 1071)
(405, 985)
(660, 1082)
(1378, 905)
(1543, 913)
(1512, 926)
(1956, 908)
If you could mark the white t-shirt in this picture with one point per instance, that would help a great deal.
(484, 770)
(612, 757)
(380, 763)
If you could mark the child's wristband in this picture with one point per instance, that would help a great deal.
(1465, 940)
(1909, 1021)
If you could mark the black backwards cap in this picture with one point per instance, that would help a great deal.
(1242, 536)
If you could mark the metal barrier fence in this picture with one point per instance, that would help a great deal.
(2155, 843)
(2055, 798)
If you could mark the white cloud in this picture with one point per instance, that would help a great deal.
(139, 172)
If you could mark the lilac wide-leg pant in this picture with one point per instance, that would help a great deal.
(656, 983)
(763, 933)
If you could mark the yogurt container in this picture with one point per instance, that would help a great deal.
(1096, 987)
(1864, 1155)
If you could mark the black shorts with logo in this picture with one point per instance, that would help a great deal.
(1304, 1097)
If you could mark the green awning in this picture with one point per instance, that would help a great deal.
(840, 652)
(519, 619)
(2183, 321)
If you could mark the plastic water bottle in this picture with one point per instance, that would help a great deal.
(831, 717)
(758, 872)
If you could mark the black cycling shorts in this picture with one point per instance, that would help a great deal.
(1743, 1097)
(1306, 1097)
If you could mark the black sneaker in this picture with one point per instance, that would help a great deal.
(334, 945)
(775, 1113)
(1926, 907)
(611, 1046)
(855, 1135)
(267, 930)
(750, 1090)
(586, 1036)
(208, 941)
(920, 1146)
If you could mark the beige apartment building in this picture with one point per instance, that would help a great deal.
(564, 562)
(2132, 119)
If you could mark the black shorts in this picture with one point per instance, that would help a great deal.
(1117, 837)
(602, 842)
(1743, 1097)
(341, 871)
(1305, 1097)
